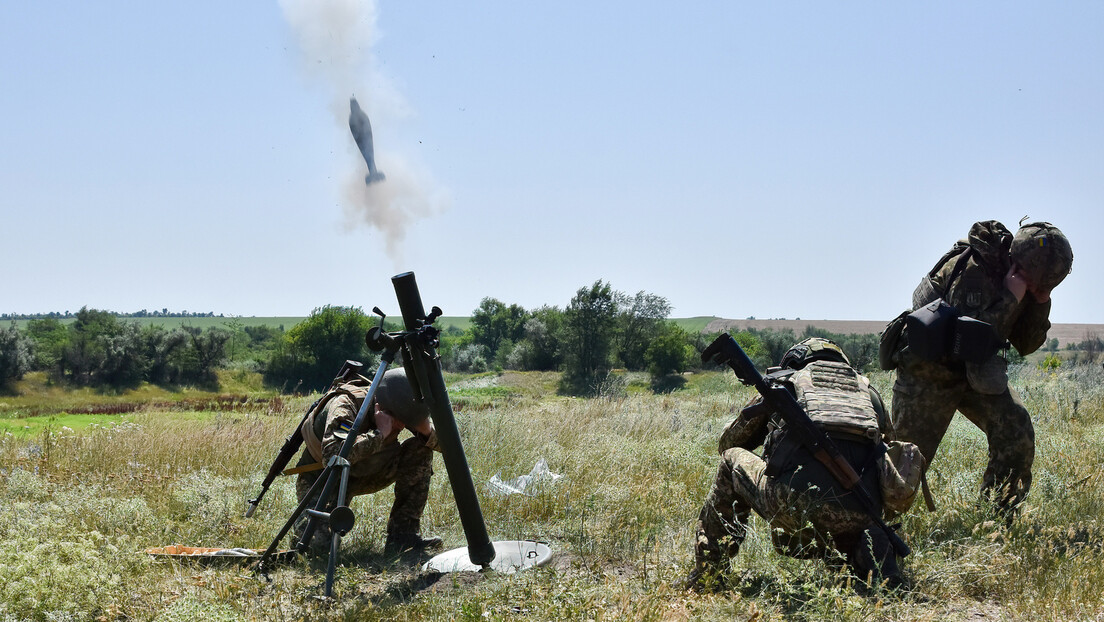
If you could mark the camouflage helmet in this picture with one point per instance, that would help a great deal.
(813, 349)
(1044, 253)
(396, 396)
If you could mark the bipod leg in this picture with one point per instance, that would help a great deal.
(331, 568)
(340, 518)
(302, 507)
(341, 521)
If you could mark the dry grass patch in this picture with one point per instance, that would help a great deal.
(79, 507)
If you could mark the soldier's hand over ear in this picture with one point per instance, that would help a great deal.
(1016, 282)
(387, 425)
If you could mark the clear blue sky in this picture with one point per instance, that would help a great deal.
(798, 159)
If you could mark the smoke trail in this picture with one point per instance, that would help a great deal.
(336, 38)
(392, 205)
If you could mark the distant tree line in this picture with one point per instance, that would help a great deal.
(98, 349)
(66, 315)
(599, 331)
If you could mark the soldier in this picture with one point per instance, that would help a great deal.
(1004, 280)
(810, 513)
(377, 458)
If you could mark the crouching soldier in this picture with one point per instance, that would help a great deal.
(810, 513)
(1004, 280)
(377, 458)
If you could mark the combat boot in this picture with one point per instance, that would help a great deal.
(400, 543)
(874, 561)
(707, 576)
(711, 565)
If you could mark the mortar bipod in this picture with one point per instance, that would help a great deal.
(335, 476)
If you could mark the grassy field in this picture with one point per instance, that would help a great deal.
(694, 325)
(81, 504)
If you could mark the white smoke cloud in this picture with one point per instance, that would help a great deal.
(392, 205)
(337, 38)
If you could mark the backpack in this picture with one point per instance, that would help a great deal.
(838, 400)
(934, 328)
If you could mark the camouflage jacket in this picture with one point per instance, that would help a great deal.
(978, 290)
(331, 426)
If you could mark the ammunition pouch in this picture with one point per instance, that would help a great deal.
(936, 331)
(900, 471)
(889, 346)
(975, 341)
(930, 330)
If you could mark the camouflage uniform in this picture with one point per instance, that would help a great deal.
(808, 510)
(375, 463)
(926, 393)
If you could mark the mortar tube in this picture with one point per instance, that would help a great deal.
(432, 383)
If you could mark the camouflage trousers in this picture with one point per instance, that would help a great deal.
(407, 465)
(925, 398)
(805, 519)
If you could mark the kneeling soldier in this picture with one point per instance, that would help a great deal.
(810, 513)
(377, 459)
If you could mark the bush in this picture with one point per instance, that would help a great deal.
(311, 353)
(669, 352)
(1051, 362)
(540, 348)
(470, 359)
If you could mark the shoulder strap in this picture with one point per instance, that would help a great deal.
(779, 376)
(960, 265)
(312, 426)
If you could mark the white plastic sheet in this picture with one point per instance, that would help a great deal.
(524, 484)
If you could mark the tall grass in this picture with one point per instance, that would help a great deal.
(79, 507)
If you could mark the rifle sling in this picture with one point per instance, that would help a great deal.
(928, 501)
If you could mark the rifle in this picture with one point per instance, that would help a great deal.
(725, 351)
(294, 441)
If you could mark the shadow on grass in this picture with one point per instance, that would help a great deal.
(796, 595)
(411, 579)
(668, 384)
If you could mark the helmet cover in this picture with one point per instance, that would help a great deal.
(396, 396)
(1044, 253)
(813, 349)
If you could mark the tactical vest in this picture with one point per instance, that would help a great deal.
(314, 426)
(837, 399)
